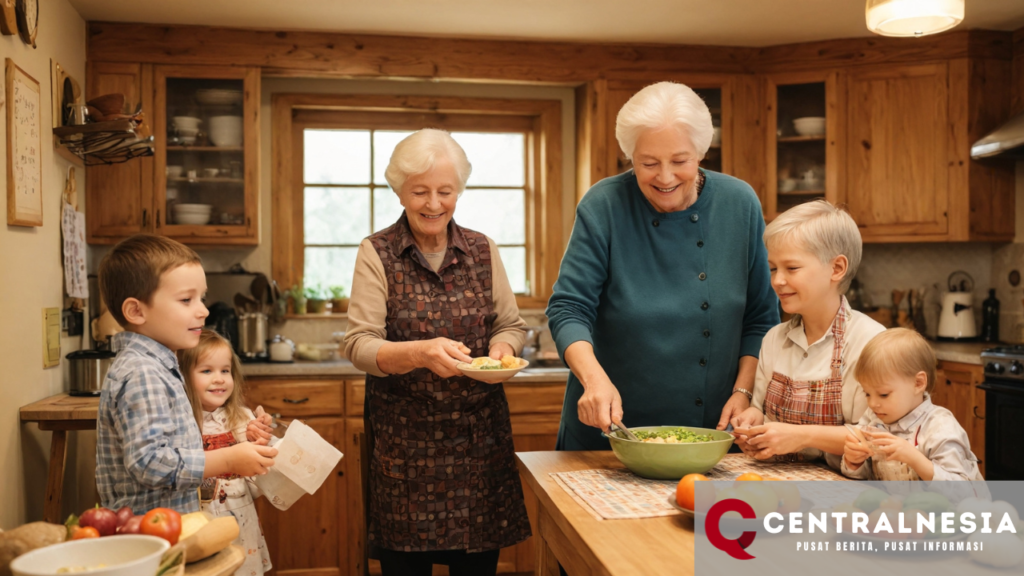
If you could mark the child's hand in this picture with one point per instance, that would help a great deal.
(250, 459)
(892, 447)
(855, 452)
(258, 430)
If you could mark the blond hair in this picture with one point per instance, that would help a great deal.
(420, 151)
(132, 269)
(824, 230)
(899, 352)
(662, 105)
(189, 358)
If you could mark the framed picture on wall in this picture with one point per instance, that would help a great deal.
(24, 148)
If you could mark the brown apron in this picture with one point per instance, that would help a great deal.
(810, 401)
(443, 474)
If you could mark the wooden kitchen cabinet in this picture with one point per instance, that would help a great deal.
(119, 198)
(956, 389)
(138, 196)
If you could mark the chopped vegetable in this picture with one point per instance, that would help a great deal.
(672, 436)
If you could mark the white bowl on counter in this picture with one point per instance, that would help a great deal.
(122, 555)
(226, 130)
(810, 126)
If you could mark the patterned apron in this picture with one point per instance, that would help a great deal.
(810, 401)
(443, 474)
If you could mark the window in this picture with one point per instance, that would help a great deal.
(329, 192)
(346, 198)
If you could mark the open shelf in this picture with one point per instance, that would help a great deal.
(818, 138)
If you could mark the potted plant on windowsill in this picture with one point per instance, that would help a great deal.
(339, 300)
(315, 301)
(297, 300)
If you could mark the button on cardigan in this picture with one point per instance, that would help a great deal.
(644, 296)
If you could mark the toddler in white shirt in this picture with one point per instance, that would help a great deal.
(902, 435)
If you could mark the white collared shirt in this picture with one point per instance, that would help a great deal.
(938, 436)
(785, 350)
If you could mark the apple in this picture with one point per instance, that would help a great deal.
(131, 526)
(123, 515)
(104, 520)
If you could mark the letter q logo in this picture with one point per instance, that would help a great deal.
(734, 548)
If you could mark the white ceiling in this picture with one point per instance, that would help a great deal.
(721, 22)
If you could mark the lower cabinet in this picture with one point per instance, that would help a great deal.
(956, 388)
(325, 534)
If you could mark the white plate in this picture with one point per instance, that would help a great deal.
(490, 376)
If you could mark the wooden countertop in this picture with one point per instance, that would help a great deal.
(62, 407)
(650, 546)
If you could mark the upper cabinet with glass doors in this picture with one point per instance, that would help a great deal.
(207, 162)
(801, 131)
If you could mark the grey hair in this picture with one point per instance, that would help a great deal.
(825, 230)
(420, 151)
(659, 106)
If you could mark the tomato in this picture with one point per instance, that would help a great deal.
(685, 490)
(162, 522)
(83, 532)
(749, 476)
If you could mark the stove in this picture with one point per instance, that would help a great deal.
(1004, 363)
(1004, 411)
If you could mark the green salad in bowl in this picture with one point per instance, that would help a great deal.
(670, 452)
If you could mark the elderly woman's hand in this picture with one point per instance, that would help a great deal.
(600, 404)
(736, 404)
(441, 355)
(501, 349)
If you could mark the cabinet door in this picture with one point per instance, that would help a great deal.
(207, 160)
(119, 198)
(897, 150)
(311, 537)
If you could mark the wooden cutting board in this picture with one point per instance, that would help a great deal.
(223, 563)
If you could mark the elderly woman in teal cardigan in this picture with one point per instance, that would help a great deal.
(664, 292)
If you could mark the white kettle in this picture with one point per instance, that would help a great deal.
(956, 322)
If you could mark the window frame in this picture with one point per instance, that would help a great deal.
(539, 119)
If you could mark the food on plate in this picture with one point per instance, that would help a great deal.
(507, 362)
(211, 537)
(788, 493)
(164, 523)
(104, 520)
(685, 490)
(761, 498)
(672, 436)
(83, 532)
(749, 476)
(928, 501)
(869, 499)
(26, 538)
(999, 550)
(193, 522)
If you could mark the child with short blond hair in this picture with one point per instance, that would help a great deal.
(804, 388)
(906, 437)
(149, 450)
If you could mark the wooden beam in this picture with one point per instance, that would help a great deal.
(305, 53)
(1017, 90)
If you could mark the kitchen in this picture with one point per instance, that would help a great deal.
(954, 213)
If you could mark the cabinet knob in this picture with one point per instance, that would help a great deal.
(948, 383)
(299, 401)
(145, 213)
(975, 410)
(341, 473)
(157, 217)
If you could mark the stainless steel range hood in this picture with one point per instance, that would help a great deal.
(1007, 141)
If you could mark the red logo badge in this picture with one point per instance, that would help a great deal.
(734, 548)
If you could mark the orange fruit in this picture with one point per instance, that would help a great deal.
(749, 476)
(685, 490)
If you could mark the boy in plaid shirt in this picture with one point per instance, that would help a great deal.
(149, 448)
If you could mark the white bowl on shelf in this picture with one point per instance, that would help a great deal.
(787, 185)
(122, 555)
(219, 97)
(187, 122)
(804, 184)
(194, 208)
(174, 171)
(810, 126)
(226, 130)
(192, 219)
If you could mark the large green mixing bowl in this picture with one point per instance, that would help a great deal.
(670, 461)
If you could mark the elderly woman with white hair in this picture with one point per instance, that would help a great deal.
(664, 291)
(426, 295)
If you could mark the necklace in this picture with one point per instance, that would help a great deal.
(700, 182)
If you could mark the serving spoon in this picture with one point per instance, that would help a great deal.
(627, 431)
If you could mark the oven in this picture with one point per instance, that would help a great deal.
(1004, 413)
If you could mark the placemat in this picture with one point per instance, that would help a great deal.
(620, 494)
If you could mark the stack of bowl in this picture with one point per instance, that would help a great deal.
(192, 214)
(810, 126)
(187, 127)
(226, 130)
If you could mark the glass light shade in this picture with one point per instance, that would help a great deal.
(913, 17)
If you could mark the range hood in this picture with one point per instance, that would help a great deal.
(1007, 141)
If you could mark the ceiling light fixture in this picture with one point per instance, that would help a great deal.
(913, 17)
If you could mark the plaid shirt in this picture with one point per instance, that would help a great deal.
(149, 450)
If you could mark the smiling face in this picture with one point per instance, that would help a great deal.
(211, 378)
(802, 281)
(175, 313)
(429, 199)
(665, 164)
(895, 396)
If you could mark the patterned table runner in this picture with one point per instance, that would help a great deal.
(620, 494)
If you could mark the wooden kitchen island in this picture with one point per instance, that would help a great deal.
(569, 535)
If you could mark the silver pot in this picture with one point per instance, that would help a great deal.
(252, 336)
(88, 369)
